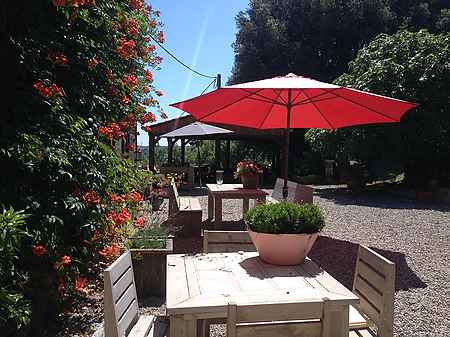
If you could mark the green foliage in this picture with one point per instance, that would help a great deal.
(149, 238)
(319, 38)
(14, 308)
(285, 218)
(409, 66)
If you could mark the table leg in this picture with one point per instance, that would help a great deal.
(335, 324)
(210, 206)
(202, 328)
(180, 327)
(245, 206)
(217, 212)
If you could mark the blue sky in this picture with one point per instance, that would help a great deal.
(199, 33)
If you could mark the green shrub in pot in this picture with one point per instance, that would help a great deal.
(285, 218)
(284, 233)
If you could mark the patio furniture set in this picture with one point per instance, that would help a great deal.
(253, 298)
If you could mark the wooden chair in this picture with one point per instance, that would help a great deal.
(227, 241)
(296, 192)
(281, 320)
(121, 304)
(374, 283)
(185, 212)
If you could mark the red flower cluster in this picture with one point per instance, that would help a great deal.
(125, 99)
(111, 131)
(64, 261)
(59, 59)
(132, 27)
(134, 197)
(137, 5)
(91, 198)
(73, 3)
(148, 118)
(51, 91)
(92, 63)
(130, 147)
(119, 218)
(38, 249)
(130, 81)
(161, 37)
(148, 76)
(80, 285)
(152, 23)
(140, 222)
(110, 251)
(126, 49)
(116, 199)
(147, 128)
(246, 167)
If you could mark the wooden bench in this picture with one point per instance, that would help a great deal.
(311, 319)
(227, 242)
(374, 283)
(296, 192)
(185, 213)
(121, 304)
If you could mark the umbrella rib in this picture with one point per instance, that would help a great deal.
(265, 99)
(364, 106)
(299, 92)
(270, 110)
(317, 108)
(279, 96)
(226, 106)
(312, 97)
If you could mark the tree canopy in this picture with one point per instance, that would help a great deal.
(410, 66)
(318, 38)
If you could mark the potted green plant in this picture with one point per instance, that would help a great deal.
(249, 174)
(284, 233)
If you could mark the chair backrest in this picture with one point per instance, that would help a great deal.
(374, 283)
(282, 320)
(227, 242)
(174, 199)
(120, 299)
(277, 192)
(304, 194)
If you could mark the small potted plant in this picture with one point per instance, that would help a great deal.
(158, 194)
(249, 174)
(284, 233)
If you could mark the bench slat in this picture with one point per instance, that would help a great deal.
(142, 326)
(128, 319)
(122, 284)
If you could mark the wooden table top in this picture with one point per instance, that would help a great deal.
(204, 284)
(235, 189)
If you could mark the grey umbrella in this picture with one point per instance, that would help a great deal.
(196, 129)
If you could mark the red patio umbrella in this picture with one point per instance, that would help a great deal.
(293, 101)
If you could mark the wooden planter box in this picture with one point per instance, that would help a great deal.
(150, 270)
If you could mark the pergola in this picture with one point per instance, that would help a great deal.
(274, 136)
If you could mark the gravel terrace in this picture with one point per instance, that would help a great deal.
(414, 235)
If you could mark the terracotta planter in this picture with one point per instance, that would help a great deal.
(283, 249)
(250, 181)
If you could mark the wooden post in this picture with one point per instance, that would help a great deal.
(183, 151)
(217, 154)
(170, 144)
(228, 155)
(151, 151)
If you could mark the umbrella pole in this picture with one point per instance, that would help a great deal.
(286, 145)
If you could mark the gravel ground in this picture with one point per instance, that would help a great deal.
(414, 235)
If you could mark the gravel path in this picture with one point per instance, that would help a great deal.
(414, 235)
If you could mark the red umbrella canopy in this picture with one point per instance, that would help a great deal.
(313, 104)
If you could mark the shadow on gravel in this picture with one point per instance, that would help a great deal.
(379, 199)
(338, 258)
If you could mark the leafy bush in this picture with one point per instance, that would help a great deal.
(285, 218)
(14, 308)
(149, 238)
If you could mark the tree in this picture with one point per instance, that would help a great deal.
(410, 66)
(318, 38)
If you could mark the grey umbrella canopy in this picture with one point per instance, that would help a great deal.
(196, 129)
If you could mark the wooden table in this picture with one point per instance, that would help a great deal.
(200, 287)
(216, 193)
